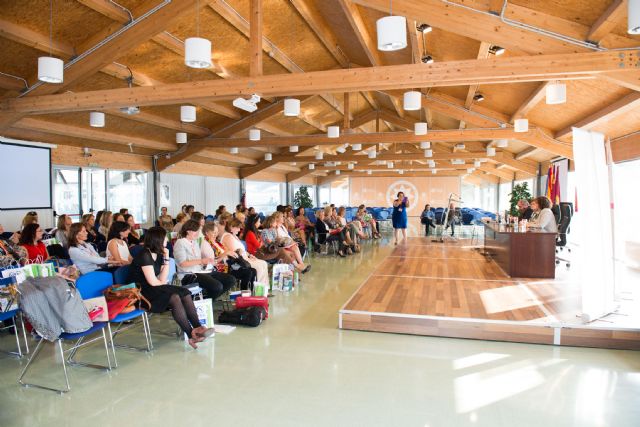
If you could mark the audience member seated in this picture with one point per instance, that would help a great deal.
(303, 224)
(165, 220)
(31, 240)
(353, 227)
(64, 222)
(118, 248)
(83, 255)
(222, 209)
(542, 217)
(124, 211)
(190, 210)
(366, 218)
(134, 237)
(93, 237)
(274, 231)
(231, 242)
(251, 211)
(192, 266)
(10, 251)
(331, 219)
(298, 235)
(30, 218)
(255, 246)
(427, 218)
(180, 220)
(105, 223)
(324, 233)
(96, 224)
(150, 270)
(524, 210)
(118, 217)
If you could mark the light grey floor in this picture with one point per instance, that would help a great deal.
(298, 369)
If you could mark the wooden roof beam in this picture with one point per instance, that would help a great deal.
(626, 148)
(483, 53)
(607, 21)
(614, 110)
(246, 172)
(532, 100)
(255, 38)
(526, 153)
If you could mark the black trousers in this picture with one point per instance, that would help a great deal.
(428, 224)
(213, 284)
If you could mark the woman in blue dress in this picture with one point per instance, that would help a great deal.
(399, 217)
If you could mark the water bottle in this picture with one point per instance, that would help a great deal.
(296, 278)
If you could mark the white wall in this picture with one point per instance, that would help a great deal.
(205, 193)
(12, 220)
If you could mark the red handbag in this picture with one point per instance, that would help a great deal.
(243, 302)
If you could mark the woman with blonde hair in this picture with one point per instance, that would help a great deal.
(30, 218)
(232, 243)
(275, 232)
(105, 223)
(62, 230)
(181, 218)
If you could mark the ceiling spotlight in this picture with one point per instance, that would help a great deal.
(96, 119)
(268, 157)
(197, 52)
(233, 150)
(319, 155)
(496, 50)
(633, 13)
(291, 107)
(427, 59)
(412, 100)
(420, 128)
(521, 125)
(187, 113)
(130, 110)
(356, 147)
(424, 28)
(312, 166)
(478, 97)
(248, 105)
(254, 134)
(556, 93)
(392, 33)
(293, 149)
(333, 131)
(181, 137)
(460, 146)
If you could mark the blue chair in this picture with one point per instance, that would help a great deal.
(93, 285)
(13, 315)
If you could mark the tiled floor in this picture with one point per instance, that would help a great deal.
(298, 369)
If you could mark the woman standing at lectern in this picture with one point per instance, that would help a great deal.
(399, 217)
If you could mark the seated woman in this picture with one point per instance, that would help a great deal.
(325, 234)
(10, 251)
(118, 248)
(211, 249)
(200, 219)
(255, 246)
(366, 218)
(31, 240)
(542, 217)
(93, 237)
(83, 255)
(30, 218)
(165, 220)
(332, 220)
(118, 216)
(64, 222)
(150, 270)
(134, 237)
(181, 218)
(191, 264)
(269, 237)
(283, 239)
(303, 223)
(105, 224)
(354, 228)
(298, 234)
(232, 243)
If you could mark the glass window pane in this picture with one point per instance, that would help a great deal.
(129, 190)
(93, 190)
(263, 196)
(340, 192)
(66, 191)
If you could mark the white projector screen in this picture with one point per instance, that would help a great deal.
(27, 177)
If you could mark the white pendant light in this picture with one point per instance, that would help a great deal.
(254, 134)
(491, 151)
(96, 119)
(470, 170)
(392, 33)
(356, 147)
(633, 13)
(401, 172)
(390, 165)
(351, 166)
(431, 163)
(556, 93)
(312, 166)
(502, 143)
(333, 132)
(319, 155)
(412, 100)
(268, 157)
(233, 150)
(420, 128)
(187, 113)
(291, 107)
(428, 153)
(477, 164)
(425, 145)
(521, 125)
(369, 172)
(341, 149)
(181, 137)
(338, 172)
(50, 69)
(372, 154)
(434, 171)
(197, 52)
(293, 149)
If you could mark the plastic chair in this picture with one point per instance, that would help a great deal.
(93, 285)
(13, 315)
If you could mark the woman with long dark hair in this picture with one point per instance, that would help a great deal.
(31, 240)
(255, 246)
(83, 254)
(118, 248)
(150, 269)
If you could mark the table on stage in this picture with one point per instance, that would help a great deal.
(521, 254)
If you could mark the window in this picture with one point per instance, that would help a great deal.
(66, 191)
(470, 195)
(264, 196)
(129, 190)
(505, 189)
(340, 192)
(311, 189)
(488, 197)
(325, 195)
(93, 190)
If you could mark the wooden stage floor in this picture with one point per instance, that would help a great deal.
(450, 290)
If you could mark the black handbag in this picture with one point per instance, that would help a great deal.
(237, 263)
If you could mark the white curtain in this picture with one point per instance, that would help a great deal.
(594, 254)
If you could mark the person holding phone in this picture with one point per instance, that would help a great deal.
(399, 217)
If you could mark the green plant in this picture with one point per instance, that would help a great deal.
(520, 192)
(302, 199)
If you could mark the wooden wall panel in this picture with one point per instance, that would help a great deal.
(74, 156)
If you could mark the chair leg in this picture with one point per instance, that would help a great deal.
(106, 348)
(24, 333)
(15, 331)
(113, 347)
(64, 367)
(147, 326)
(33, 357)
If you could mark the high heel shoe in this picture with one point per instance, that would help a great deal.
(341, 253)
(349, 251)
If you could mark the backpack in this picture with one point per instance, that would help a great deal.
(249, 316)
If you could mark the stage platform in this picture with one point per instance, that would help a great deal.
(451, 290)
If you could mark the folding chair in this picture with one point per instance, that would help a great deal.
(13, 314)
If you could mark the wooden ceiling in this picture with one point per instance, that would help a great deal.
(323, 52)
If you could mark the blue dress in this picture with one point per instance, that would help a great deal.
(399, 216)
